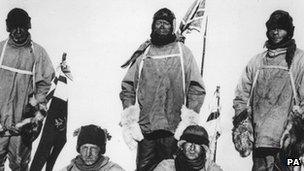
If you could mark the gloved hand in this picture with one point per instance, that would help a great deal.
(297, 111)
(2, 128)
(240, 117)
(242, 133)
(38, 117)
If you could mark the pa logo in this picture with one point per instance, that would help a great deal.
(293, 162)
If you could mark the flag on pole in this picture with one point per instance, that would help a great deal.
(53, 136)
(215, 110)
(193, 18)
(191, 21)
(214, 120)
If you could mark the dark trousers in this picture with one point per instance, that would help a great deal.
(53, 136)
(151, 151)
(17, 152)
(50, 145)
(268, 159)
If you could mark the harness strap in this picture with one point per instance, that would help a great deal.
(19, 70)
(183, 70)
(16, 70)
(165, 56)
(252, 87)
(180, 54)
(274, 67)
(295, 96)
(2, 53)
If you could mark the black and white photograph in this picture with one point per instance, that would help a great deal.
(152, 85)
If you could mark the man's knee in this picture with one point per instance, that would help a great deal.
(17, 162)
(19, 165)
(3, 150)
(2, 160)
(147, 166)
(166, 148)
(146, 158)
(22, 167)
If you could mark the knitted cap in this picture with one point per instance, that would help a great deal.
(164, 14)
(17, 17)
(280, 19)
(92, 134)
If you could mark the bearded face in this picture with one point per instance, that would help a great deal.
(162, 33)
(89, 153)
(19, 35)
(162, 27)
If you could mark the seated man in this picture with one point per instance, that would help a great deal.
(193, 153)
(91, 145)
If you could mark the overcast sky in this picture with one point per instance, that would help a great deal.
(99, 36)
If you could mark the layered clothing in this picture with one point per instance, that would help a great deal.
(170, 165)
(103, 164)
(160, 92)
(25, 71)
(267, 86)
(160, 81)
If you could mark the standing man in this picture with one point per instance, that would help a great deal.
(163, 78)
(272, 87)
(25, 78)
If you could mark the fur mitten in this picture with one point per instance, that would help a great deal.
(242, 134)
(130, 127)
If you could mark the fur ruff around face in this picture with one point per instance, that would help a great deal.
(188, 117)
(130, 128)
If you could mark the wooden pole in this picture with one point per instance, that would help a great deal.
(217, 91)
(204, 47)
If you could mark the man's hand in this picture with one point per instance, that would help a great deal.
(1, 128)
(38, 117)
(297, 109)
(33, 101)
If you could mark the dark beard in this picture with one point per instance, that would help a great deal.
(161, 40)
(291, 46)
(282, 44)
(22, 42)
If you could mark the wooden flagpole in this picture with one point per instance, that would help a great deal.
(204, 47)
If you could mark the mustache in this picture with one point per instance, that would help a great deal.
(90, 158)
